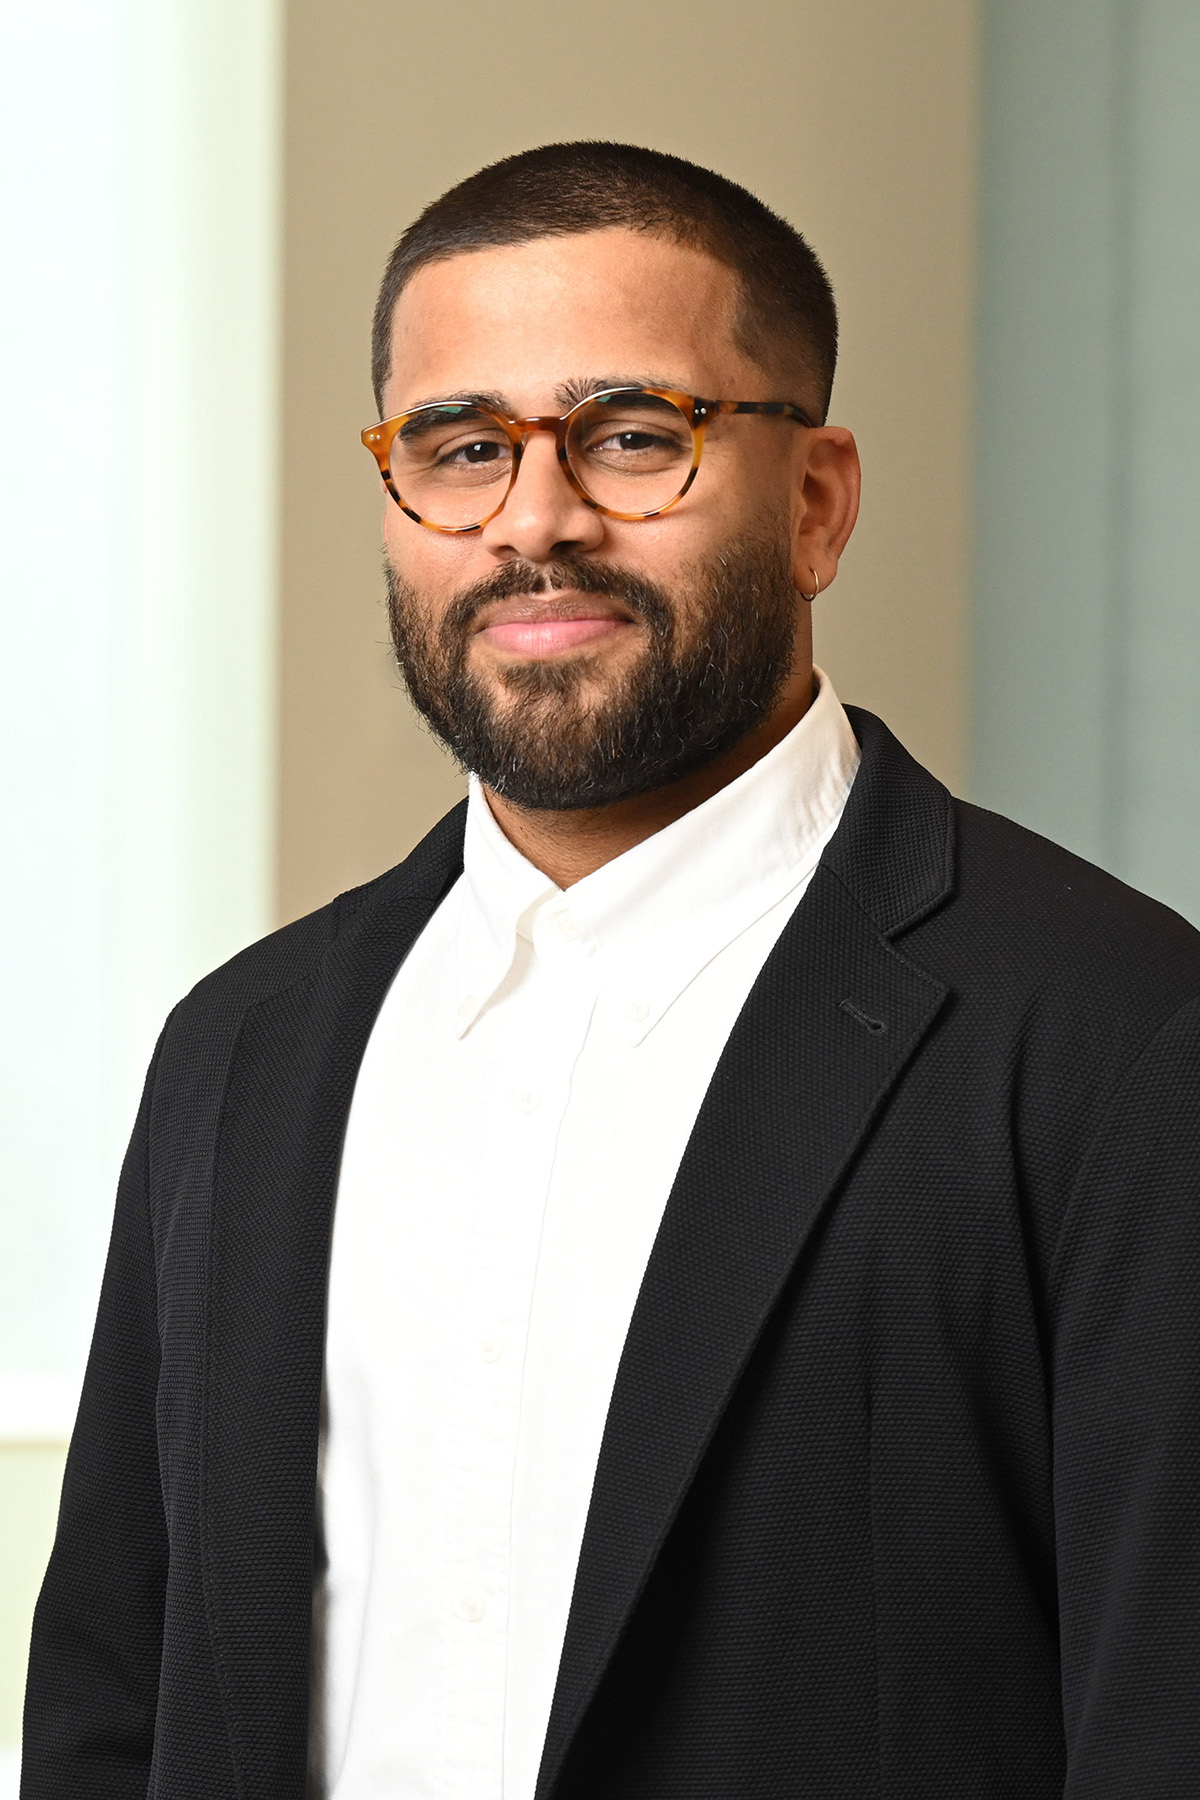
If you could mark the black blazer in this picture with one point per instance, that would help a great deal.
(898, 1492)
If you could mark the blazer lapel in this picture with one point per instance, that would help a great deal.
(827, 1029)
(288, 1094)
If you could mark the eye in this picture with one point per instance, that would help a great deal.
(482, 450)
(630, 440)
(635, 444)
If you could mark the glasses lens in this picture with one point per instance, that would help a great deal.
(451, 464)
(631, 451)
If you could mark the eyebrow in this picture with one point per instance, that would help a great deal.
(568, 393)
(463, 397)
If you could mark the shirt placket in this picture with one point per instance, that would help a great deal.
(542, 1025)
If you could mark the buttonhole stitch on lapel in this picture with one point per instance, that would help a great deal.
(876, 1027)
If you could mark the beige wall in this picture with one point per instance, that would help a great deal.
(855, 120)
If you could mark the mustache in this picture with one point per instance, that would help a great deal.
(643, 598)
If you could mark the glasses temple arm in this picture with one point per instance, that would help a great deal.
(780, 409)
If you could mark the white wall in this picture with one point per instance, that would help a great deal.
(139, 144)
(137, 550)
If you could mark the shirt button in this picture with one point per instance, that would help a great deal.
(637, 1010)
(472, 1608)
(567, 926)
(491, 1349)
(525, 1100)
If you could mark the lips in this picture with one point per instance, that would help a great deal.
(528, 627)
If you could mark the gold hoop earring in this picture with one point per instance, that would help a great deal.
(816, 587)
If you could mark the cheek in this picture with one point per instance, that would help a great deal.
(401, 538)
(694, 538)
(427, 560)
(753, 461)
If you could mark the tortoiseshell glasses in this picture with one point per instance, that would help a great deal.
(628, 452)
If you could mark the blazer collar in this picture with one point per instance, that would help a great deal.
(894, 848)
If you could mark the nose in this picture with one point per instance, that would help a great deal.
(543, 517)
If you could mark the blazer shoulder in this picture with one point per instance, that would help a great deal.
(1050, 916)
(282, 957)
(292, 952)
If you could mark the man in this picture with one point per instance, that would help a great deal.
(757, 1328)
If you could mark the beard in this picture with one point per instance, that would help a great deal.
(553, 735)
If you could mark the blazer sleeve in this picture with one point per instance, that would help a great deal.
(1126, 1399)
(92, 1689)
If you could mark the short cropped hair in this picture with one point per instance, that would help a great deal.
(786, 319)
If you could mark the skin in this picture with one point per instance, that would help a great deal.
(528, 324)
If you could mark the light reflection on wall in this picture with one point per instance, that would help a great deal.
(137, 525)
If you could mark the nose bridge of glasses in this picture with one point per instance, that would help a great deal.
(523, 429)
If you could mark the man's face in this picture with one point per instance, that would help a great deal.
(568, 658)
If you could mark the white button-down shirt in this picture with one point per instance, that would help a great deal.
(521, 1110)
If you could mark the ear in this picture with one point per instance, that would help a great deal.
(827, 506)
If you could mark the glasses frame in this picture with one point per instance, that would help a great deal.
(698, 413)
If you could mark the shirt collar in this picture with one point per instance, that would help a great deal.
(654, 917)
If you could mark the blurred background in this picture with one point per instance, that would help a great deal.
(201, 734)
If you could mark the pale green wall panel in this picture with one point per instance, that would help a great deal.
(1085, 632)
(1158, 842)
(1045, 402)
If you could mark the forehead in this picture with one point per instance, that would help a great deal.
(521, 319)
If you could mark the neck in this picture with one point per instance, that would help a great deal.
(567, 846)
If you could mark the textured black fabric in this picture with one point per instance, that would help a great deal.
(897, 1492)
